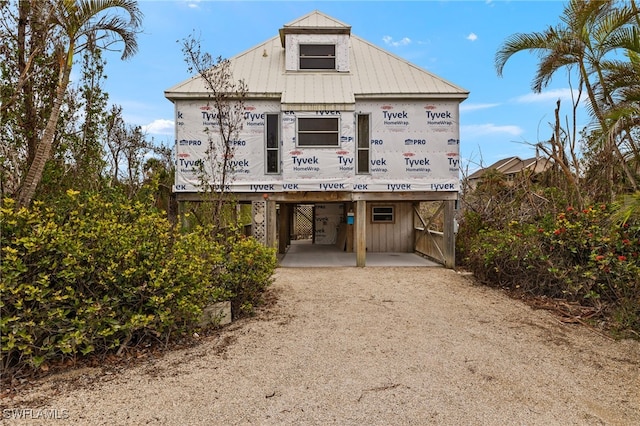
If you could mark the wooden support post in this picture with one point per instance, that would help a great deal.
(449, 249)
(361, 232)
(271, 231)
(292, 213)
(284, 231)
(350, 237)
(349, 242)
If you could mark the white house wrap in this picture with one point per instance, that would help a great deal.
(414, 146)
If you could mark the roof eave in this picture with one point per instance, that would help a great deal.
(311, 30)
(171, 95)
(460, 96)
(179, 96)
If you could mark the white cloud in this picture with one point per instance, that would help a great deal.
(160, 127)
(193, 4)
(464, 107)
(475, 130)
(472, 37)
(389, 41)
(550, 95)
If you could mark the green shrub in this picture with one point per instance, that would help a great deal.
(513, 257)
(580, 256)
(94, 273)
(246, 272)
(595, 257)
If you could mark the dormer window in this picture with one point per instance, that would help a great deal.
(316, 42)
(317, 56)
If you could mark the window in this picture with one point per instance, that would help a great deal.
(382, 214)
(362, 157)
(317, 57)
(272, 143)
(318, 131)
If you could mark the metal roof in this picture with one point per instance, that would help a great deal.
(316, 19)
(314, 23)
(311, 92)
(261, 68)
(373, 74)
(378, 73)
(513, 165)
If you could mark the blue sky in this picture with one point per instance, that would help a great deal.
(456, 40)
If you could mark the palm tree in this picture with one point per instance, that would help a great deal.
(591, 30)
(623, 80)
(75, 26)
(629, 208)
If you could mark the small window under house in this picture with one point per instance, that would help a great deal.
(318, 131)
(382, 214)
(317, 57)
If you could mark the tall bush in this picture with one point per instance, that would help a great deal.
(246, 272)
(580, 256)
(98, 272)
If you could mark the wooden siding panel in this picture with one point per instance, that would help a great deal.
(391, 237)
(405, 237)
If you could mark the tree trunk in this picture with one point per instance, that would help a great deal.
(25, 85)
(43, 151)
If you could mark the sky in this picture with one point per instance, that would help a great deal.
(456, 40)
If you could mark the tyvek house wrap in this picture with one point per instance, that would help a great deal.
(414, 146)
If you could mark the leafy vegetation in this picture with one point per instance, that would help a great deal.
(525, 235)
(98, 272)
(92, 261)
(531, 242)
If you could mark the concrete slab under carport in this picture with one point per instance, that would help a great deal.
(304, 254)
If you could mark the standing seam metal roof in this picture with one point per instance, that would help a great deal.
(316, 19)
(374, 73)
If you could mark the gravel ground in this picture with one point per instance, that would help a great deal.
(374, 346)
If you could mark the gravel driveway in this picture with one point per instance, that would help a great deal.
(374, 346)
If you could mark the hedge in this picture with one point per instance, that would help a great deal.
(98, 272)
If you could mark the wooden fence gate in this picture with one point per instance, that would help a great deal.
(429, 224)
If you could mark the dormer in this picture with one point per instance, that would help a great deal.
(316, 43)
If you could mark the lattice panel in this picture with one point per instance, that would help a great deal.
(303, 222)
(259, 220)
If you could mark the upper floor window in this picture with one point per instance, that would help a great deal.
(272, 146)
(317, 56)
(318, 131)
(363, 144)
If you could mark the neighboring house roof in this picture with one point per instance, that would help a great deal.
(513, 165)
(373, 74)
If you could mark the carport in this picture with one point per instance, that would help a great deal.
(305, 254)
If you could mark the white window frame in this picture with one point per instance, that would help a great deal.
(276, 149)
(366, 147)
(316, 58)
(331, 131)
